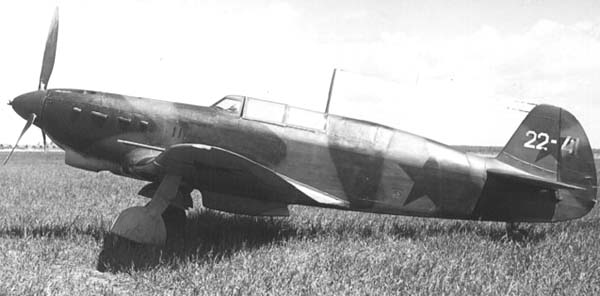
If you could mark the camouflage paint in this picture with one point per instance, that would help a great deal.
(373, 167)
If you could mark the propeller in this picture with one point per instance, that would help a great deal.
(47, 66)
(27, 125)
(49, 53)
(48, 62)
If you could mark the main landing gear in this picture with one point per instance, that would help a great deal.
(163, 216)
(142, 235)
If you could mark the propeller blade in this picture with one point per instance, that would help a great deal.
(30, 121)
(49, 53)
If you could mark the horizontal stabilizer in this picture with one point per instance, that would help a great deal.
(525, 178)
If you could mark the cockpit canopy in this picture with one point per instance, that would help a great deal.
(271, 112)
(231, 104)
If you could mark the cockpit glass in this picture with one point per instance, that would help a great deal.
(230, 105)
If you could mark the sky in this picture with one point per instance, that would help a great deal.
(452, 71)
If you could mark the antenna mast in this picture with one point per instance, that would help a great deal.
(330, 91)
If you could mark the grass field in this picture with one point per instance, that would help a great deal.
(53, 220)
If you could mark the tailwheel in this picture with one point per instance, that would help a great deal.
(514, 232)
(511, 227)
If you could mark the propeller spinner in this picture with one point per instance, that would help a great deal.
(30, 105)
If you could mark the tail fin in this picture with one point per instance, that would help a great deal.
(551, 144)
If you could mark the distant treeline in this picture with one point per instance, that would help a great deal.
(37, 146)
(492, 150)
(479, 149)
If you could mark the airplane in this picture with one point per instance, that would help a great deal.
(256, 157)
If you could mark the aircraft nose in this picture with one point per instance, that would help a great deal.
(28, 103)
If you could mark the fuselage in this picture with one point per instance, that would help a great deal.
(373, 167)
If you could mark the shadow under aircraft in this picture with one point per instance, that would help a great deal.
(255, 157)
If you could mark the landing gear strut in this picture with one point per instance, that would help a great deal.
(514, 232)
(512, 228)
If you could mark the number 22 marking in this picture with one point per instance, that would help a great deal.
(544, 137)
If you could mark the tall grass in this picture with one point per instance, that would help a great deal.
(54, 221)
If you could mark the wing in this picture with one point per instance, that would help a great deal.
(228, 179)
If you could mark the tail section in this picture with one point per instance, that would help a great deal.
(551, 150)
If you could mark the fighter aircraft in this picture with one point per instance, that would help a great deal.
(255, 157)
